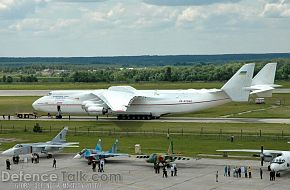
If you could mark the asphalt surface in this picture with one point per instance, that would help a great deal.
(133, 173)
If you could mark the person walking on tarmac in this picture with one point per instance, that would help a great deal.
(164, 172)
(94, 165)
(102, 164)
(158, 168)
(54, 163)
(155, 168)
(172, 170)
(175, 170)
(250, 172)
(8, 164)
(217, 176)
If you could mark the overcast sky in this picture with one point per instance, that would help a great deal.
(143, 27)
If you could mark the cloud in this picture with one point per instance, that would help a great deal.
(187, 2)
(276, 10)
(15, 9)
(79, 1)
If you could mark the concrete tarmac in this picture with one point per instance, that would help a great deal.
(133, 173)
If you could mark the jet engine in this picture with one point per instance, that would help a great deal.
(95, 109)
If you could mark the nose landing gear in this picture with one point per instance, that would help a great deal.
(58, 115)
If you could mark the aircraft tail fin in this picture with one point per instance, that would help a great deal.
(170, 148)
(60, 137)
(266, 75)
(99, 146)
(114, 148)
(263, 83)
(236, 87)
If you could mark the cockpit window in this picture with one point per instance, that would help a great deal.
(83, 151)
(279, 161)
(49, 94)
(153, 156)
(18, 146)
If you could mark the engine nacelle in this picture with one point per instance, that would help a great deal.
(96, 109)
(90, 104)
(267, 157)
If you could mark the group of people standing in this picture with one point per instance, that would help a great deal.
(238, 171)
(272, 175)
(173, 170)
(101, 165)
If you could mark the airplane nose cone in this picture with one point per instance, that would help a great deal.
(34, 105)
(9, 152)
(78, 156)
(274, 167)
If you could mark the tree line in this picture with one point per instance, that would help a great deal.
(173, 74)
(198, 72)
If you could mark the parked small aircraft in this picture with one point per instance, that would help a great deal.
(47, 148)
(279, 160)
(128, 103)
(98, 153)
(163, 158)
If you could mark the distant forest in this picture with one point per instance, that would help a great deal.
(135, 68)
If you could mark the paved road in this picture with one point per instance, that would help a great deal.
(44, 92)
(132, 173)
(24, 92)
(165, 119)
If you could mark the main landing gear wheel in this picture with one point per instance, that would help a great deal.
(136, 117)
(49, 156)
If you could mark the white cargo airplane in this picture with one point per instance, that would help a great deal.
(128, 103)
(279, 160)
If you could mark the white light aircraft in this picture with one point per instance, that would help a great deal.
(279, 159)
(128, 103)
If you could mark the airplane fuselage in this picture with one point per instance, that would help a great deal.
(152, 102)
(281, 163)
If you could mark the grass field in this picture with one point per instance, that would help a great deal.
(197, 138)
(102, 85)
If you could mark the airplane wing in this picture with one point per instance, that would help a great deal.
(252, 151)
(118, 98)
(176, 158)
(64, 145)
(109, 154)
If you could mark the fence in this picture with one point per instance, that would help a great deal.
(221, 134)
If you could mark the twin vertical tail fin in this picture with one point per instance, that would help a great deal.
(99, 146)
(114, 148)
(266, 75)
(263, 83)
(60, 137)
(237, 87)
(170, 148)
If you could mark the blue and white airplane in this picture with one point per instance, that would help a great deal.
(98, 153)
